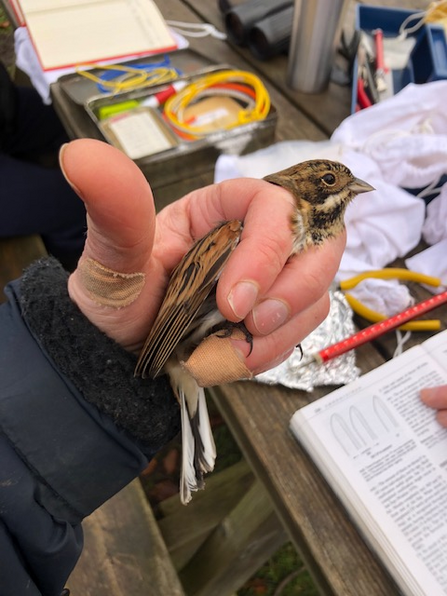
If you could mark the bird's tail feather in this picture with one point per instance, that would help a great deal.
(198, 447)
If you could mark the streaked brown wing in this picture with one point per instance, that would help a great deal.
(190, 284)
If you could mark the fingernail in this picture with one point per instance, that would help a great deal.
(242, 298)
(62, 165)
(269, 315)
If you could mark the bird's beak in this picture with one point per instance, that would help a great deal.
(359, 186)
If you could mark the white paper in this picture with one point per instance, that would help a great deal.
(139, 134)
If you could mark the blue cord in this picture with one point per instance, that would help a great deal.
(108, 75)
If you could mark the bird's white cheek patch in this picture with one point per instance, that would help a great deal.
(331, 202)
(110, 288)
(215, 361)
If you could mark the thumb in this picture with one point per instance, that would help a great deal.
(121, 226)
(119, 203)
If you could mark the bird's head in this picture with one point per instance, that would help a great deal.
(322, 190)
(320, 182)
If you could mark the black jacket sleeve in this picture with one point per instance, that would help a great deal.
(75, 427)
(8, 107)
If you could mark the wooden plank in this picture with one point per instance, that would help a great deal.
(185, 529)
(168, 193)
(236, 549)
(124, 553)
(15, 255)
(332, 548)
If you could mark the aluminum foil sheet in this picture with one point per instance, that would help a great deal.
(337, 326)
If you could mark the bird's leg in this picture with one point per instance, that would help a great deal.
(227, 327)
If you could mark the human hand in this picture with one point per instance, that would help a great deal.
(281, 300)
(436, 398)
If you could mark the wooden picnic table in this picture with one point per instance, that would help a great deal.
(287, 496)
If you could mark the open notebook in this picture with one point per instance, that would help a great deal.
(75, 32)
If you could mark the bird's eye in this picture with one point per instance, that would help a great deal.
(329, 179)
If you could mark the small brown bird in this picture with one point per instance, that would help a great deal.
(322, 190)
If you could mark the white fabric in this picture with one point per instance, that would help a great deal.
(435, 226)
(273, 158)
(432, 261)
(396, 144)
(405, 135)
(382, 225)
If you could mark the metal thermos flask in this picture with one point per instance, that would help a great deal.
(315, 34)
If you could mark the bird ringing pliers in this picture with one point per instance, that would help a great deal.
(390, 273)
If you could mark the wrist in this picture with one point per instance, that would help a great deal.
(100, 369)
(102, 295)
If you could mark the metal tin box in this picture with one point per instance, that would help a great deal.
(179, 158)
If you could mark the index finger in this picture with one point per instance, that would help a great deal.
(266, 240)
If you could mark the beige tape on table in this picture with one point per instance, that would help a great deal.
(215, 361)
(108, 287)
